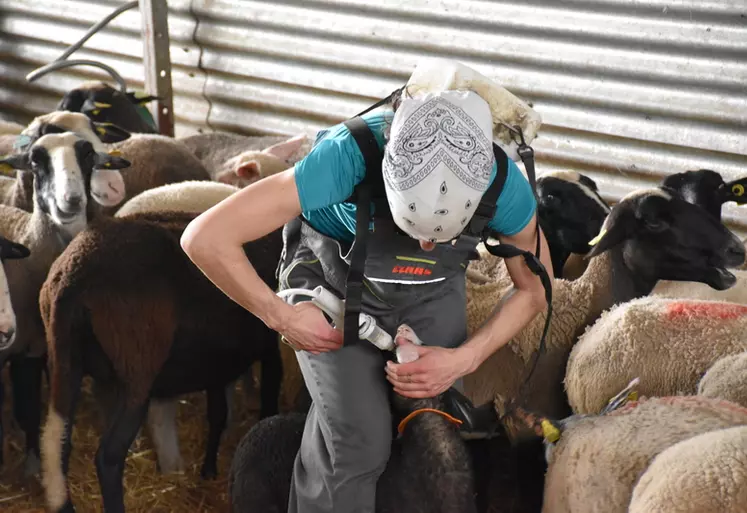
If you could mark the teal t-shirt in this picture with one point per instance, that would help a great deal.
(326, 177)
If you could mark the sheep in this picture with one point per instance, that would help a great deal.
(430, 469)
(241, 160)
(703, 474)
(708, 190)
(156, 159)
(62, 170)
(570, 213)
(726, 379)
(8, 134)
(598, 459)
(9, 250)
(102, 103)
(189, 336)
(189, 196)
(668, 343)
(108, 187)
(650, 234)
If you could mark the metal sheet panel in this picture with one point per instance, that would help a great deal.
(629, 90)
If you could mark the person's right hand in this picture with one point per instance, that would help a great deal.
(310, 331)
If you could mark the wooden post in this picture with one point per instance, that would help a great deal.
(157, 62)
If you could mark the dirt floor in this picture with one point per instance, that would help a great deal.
(146, 490)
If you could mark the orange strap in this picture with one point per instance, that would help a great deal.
(414, 414)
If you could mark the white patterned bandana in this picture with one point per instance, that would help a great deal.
(438, 162)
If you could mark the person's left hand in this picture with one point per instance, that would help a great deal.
(433, 373)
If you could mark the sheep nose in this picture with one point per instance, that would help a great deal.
(735, 253)
(74, 200)
(6, 337)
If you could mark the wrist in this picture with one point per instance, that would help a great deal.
(278, 316)
(470, 358)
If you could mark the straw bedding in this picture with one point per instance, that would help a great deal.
(145, 489)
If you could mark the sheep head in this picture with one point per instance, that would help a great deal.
(246, 168)
(663, 237)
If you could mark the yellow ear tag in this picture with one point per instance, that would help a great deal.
(633, 396)
(102, 105)
(550, 432)
(108, 164)
(6, 169)
(101, 130)
(95, 112)
(115, 153)
(737, 189)
(595, 240)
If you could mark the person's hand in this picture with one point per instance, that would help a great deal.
(434, 372)
(310, 331)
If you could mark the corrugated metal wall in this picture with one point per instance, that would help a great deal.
(629, 90)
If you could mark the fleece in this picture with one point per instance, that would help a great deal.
(704, 474)
(668, 343)
(692, 290)
(189, 196)
(598, 459)
(727, 379)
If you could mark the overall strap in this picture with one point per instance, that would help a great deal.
(354, 281)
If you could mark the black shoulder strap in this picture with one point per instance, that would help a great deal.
(354, 281)
(486, 208)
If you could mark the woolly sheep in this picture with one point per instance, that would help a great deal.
(726, 379)
(61, 167)
(189, 196)
(598, 459)
(708, 190)
(570, 212)
(430, 469)
(650, 234)
(189, 336)
(241, 160)
(668, 343)
(155, 159)
(8, 133)
(703, 474)
(104, 104)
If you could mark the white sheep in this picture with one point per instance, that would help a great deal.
(626, 262)
(668, 343)
(8, 133)
(726, 379)
(703, 474)
(61, 167)
(189, 196)
(690, 290)
(598, 459)
(242, 159)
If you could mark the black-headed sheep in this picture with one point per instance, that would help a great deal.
(651, 234)
(104, 104)
(62, 167)
(125, 304)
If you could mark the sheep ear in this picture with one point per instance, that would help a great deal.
(11, 162)
(110, 133)
(608, 237)
(91, 107)
(285, 149)
(110, 161)
(250, 170)
(139, 97)
(10, 250)
(735, 191)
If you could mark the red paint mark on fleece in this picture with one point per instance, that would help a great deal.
(717, 310)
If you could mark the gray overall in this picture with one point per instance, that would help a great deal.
(348, 433)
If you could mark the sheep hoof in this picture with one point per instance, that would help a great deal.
(67, 508)
(32, 465)
(208, 472)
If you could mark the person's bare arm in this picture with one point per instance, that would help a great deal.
(518, 310)
(214, 240)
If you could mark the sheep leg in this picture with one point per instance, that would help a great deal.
(113, 448)
(26, 376)
(162, 427)
(217, 413)
(270, 381)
